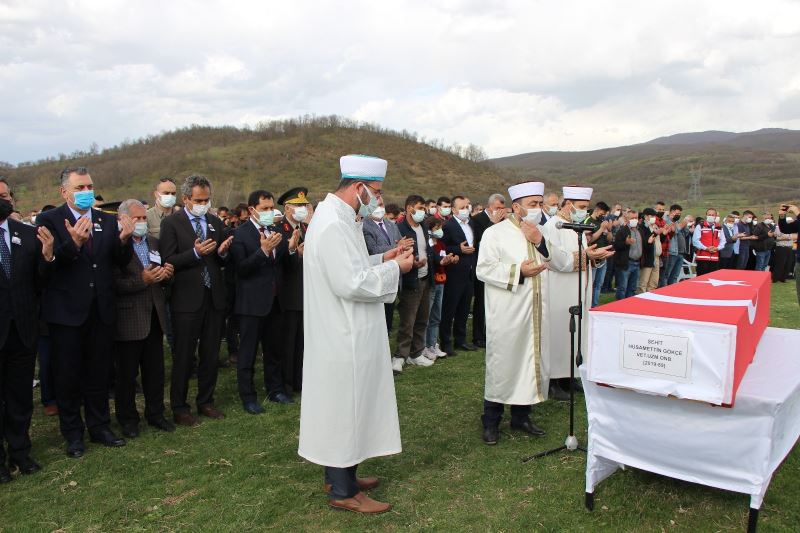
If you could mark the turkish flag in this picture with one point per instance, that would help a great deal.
(693, 339)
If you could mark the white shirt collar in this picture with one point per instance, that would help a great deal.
(77, 215)
(4, 225)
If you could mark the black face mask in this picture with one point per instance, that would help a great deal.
(660, 214)
(5, 209)
(676, 218)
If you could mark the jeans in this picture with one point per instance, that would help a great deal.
(673, 268)
(598, 277)
(627, 280)
(762, 259)
(435, 315)
(742, 258)
(413, 307)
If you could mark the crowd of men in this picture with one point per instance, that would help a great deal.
(95, 293)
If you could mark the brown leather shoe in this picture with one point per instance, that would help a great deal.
(361, 503)
(186, 419)
(50, 410)
(364, 483)
(211, 412)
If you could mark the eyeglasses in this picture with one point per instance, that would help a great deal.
(378, 193)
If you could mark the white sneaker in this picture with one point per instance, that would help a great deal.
(438, 351)
(397, 365)
(420, 361)
(429, 353)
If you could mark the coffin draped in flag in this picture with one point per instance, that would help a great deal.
(691, 340)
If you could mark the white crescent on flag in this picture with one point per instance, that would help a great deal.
(751, 306)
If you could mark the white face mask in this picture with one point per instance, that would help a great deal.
(552, 210)
(432, 211)
(140, 229)
(711, 219)
(534, 215)
(579, 215)
(789, 220)
(463, 214)
(616, 213)
(633, 222)
(445, 211)
(378, 214)
(418, 216)
(748, 220)
(652, 220)
(200, 210)
(167, 200)
(300, 214)
(729, 225)
(768, 221)
(438, 233)
(736, 220)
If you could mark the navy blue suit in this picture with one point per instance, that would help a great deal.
(78, 306)
(458, 288)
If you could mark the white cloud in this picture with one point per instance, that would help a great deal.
(512, 76)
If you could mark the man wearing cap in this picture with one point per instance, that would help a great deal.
(510, 261)
(349, 409)
(562, 283)
(290, 290)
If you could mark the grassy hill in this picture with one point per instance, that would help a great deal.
(275, 156)
(754, 169)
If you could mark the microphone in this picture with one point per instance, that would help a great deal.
(575, 227)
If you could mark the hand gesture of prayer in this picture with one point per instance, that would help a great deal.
(80, 232)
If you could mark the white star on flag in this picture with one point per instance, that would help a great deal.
(721, 282)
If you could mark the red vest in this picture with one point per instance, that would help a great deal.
(709, 237)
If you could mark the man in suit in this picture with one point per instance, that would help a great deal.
(290, 295)
(258, 248)
(194, 243)
(141, 321)
(25, 255)
(495, 212)
(459, 239)
(78, 306)
(381, 235)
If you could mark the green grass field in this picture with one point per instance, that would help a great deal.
(243, 473)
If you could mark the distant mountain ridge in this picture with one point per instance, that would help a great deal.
(747, 167)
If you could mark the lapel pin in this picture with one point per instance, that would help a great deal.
(16, 240)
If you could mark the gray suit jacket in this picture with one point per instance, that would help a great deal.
(135, 300)
(376, 238)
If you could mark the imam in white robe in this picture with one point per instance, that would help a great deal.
(349, 410)
(516, 373)
(562, 293)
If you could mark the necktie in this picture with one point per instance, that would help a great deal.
(389, 240)
(198, 230)
(5, 254)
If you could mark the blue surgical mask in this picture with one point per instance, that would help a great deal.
(446, 211)
(552, 210)
(438, 233)
(579, 215)
(140, 229)
(418, 216)
(367, 209)
(84, 199)
(266, 218)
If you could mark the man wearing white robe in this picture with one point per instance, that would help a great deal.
(349, 411)
(511, 258)
(562, 285)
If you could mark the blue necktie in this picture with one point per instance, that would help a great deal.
(198, 230)
(5, 254)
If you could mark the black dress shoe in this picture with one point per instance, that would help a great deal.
(130, 430)
(106, 437)
(480, 344)
(253, 408)
(75, 449)
(5, 475)
(467, 347)
(26, 466)
(281, 397)
(557, 393)
(491, 436)
(162, 423)
(529, 427)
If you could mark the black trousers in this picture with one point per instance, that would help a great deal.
(266, 331)
(343, 482)
(291, 344)
(781, 259)
(388, 309)
(82, 365)
(147, 354)
(728, 262)
(455, 309)
(704, 267)
(493, 413)
(17, 364)
(203, 326)
(478, 313)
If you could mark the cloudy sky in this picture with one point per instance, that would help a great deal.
(513, 77)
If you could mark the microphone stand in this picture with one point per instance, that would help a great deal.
(575, 358)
